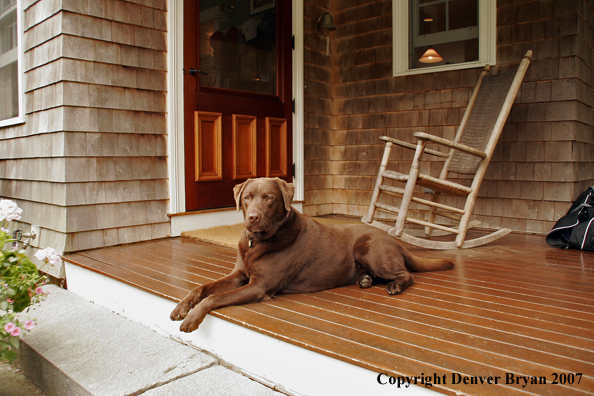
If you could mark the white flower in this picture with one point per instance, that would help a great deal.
(49, 255)
(9, 210)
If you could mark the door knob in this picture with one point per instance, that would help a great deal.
(193, 72)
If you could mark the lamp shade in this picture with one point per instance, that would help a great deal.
(430, 56)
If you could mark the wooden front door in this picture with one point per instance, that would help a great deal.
(237, 93)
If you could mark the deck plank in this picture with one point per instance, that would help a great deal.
(466, 313)
(383, 334)
(515, 306)
(434, 322)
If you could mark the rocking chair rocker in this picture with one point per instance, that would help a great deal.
(470, 153)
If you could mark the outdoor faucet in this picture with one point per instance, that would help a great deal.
(18, 235)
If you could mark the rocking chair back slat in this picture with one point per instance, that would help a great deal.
(482, 120)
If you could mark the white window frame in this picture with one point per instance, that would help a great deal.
(487, 40)
(20, 118)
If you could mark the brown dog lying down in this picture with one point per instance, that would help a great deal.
(283, 251)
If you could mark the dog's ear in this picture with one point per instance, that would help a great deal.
(288, 191)
(237, 191)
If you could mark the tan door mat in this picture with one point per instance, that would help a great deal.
(228, 236)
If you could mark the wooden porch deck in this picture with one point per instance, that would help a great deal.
(516, 309)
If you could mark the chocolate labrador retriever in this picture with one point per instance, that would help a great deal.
(283, 251)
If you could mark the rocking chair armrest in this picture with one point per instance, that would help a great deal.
(451, 144)
(413, 146)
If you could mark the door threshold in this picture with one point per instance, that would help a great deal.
(202, 211)
(208, 218)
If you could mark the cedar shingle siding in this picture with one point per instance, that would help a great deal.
(545, 156)
(89, 164)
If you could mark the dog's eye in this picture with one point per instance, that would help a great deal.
(269, 198)
(246, 198)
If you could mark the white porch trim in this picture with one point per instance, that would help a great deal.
(175, 106)
(268, 360)
(298, 117)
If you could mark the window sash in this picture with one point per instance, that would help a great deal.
(9, 57)
(487, 35)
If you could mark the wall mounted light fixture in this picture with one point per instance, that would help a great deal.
(325, 26)
(326, 23)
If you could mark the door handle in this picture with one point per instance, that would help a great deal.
(193, 72)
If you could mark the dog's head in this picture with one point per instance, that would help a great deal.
(266, 203)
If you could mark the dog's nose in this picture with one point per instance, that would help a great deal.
(254, 218)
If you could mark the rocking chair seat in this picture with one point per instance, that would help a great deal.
(469, 154)
(431, 182)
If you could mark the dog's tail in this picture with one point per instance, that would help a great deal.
(419, 264)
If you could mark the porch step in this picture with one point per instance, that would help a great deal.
(80, 348)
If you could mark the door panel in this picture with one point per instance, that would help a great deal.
(246, 54)
(276, 147)
(245, 156)
(208, 146)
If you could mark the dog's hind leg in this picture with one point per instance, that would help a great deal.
(365, 281)
(382, 258)
(401, 282)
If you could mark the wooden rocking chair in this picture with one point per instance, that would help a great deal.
(470, 153)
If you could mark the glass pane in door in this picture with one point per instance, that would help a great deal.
(238, 45)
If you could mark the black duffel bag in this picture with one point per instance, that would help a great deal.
(575, 230)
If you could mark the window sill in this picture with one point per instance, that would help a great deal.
(442, 68)
(12, 122)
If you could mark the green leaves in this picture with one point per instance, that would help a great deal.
(14, 342)
(7, 351)
(19, 285)
(19, 282)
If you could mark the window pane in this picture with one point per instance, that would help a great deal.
(455, 52)
(9, 89)
(448, 27)
(462, 14)
(238, 45)
(6, 4)
(432, 18)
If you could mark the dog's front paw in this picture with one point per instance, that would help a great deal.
(181, 310)
(192, 321)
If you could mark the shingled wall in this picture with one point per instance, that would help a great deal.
(319, 114)
(545, 156)
(89, 164)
